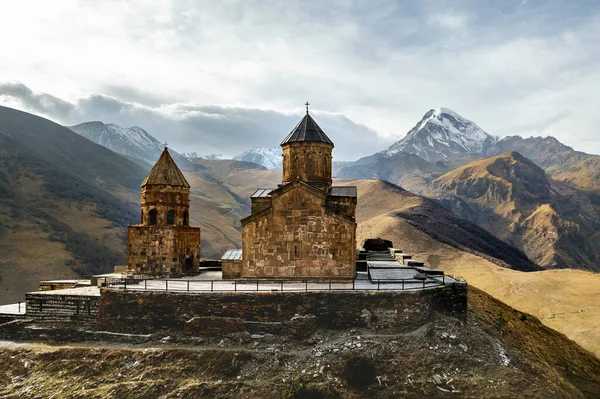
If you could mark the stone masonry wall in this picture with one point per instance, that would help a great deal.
(61, 308)
(295, 314)
(232, 269)
(297, 239)
(163, 249)
(164, 198)
(310, 162)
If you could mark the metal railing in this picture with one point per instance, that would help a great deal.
(186, 285)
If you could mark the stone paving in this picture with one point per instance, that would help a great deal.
(211, 282)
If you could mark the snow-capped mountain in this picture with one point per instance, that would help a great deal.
(191, 155)
(133, 142)
(443, 134)
(270, 158)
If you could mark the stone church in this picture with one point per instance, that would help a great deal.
(305, 228)
(164, 243)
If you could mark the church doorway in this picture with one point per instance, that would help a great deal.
(188, 265)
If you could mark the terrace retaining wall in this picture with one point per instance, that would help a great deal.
(61, 308)
(290, 313)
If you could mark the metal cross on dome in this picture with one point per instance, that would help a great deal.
(166, 144)
(307, 104)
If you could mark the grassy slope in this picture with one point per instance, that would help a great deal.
(64, 204)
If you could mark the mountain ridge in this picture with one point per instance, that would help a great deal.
(133, 142)
(512, 197)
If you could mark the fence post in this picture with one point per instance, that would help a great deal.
(188, 286)
(166, 285)
(19, 307)
(145, 284)
(378, 285)
(281, 285)
(443, 279)
(402, 284)
(330, 285)
(234, 285)
(125, 284)
(306, 282)
(423, 283)
(353, 284)
(256, 285)
(211, 285)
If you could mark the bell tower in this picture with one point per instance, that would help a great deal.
(164, 243)
(307, 154)
(165, 195)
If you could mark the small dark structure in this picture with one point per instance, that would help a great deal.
(377, 244)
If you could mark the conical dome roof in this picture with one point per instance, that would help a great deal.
(165, 172)
(307, 130)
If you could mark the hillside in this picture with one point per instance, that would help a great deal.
(562, 299)
(65, 203)
(387, 210)
(498, 352)
(512, 198)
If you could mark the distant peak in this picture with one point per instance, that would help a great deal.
(438, 112)
(91, 123)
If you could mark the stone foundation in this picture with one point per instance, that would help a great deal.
(295, 314)
(61, 308)
(232, 269)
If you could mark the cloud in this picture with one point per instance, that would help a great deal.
(382, 63)
(205, 129)
(449, 20)
(38, 102)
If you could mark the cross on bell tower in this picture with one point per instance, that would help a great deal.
(307, 104)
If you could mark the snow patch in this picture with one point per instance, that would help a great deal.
(270, 158)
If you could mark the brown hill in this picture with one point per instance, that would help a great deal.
(386, 210)
(64, 205)
(512, 198)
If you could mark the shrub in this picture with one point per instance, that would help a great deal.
(359, 372)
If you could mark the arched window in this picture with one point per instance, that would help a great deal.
(152, 217)
(297, 167)
(142, 218)
(171, 217)
(185, 218)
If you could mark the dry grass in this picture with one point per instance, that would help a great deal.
(565, 300)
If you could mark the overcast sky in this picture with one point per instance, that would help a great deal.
(226, 76)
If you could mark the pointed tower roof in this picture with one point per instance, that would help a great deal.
(165, 172)
(307, 130)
